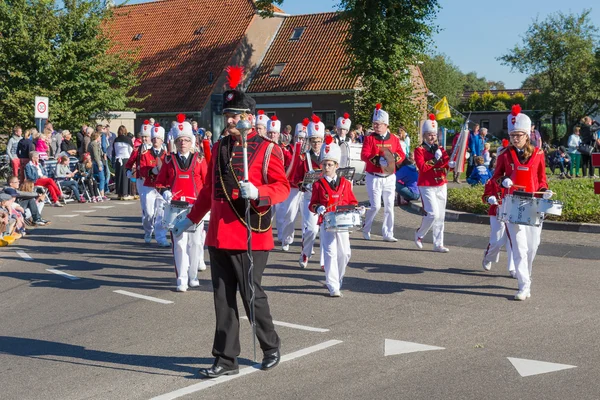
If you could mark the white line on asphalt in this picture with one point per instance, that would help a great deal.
(85, 211)
(205, 384)
(126, 203)
(67, 216)
(141, 296)
(61, 273)
(104, 207)
(295, 326)
(24, 255)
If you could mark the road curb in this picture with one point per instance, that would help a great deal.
(460, 216)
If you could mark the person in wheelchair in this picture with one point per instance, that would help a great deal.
(560, 159)
(64, 176)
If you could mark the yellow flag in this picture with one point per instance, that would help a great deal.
(442, 109)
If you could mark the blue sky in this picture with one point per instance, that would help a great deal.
(473, 33)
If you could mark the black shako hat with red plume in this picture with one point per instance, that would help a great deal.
(236, 101)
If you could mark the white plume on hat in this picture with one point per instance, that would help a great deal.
(261, 118)
(430, 125)
(380, 116)
(302, 128)
(145, 128)
(330, 151)
(274, 125)
(343, 122)
(158, 131)
(316, 128)
(517, 121)
(183, 128)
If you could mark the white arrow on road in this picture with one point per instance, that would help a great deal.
(393, 347)
(532, 367)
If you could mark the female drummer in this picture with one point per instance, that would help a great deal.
(522, 167)
(329, 192)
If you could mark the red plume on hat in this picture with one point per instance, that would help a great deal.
(516, 110)
(315, 119)
(234, 75)
(146, 122)
(328, 139)
(432, 117)
(346, 115)
(504, 142)
(305, 121)
(274, 118)
(180, 118)
(378, 106)
(156, 124)
(261, 112)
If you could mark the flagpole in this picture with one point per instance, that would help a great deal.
(449, 106)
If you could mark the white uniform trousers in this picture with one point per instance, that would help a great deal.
(309, 226)
(286, 216)
(336, 251)
(434, 204)
(139, 185)
(151, 222)
(498, 238)
(187, 249)
(525, 241)
(377, 188)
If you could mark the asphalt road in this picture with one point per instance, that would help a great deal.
(75, 337)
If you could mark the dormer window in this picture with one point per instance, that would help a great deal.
(137, 36)
(199, 31)
(277, 69)
(297, 33)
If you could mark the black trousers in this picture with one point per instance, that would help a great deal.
(229, 271)
(31, 204)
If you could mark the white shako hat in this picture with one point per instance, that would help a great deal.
(183, 128)
(430, 125)
(261, 118)
(517, 121)
(146, 128)
(316, 128)
(343, 122)
(380, 116)
(158, 131)
(302, 128)
(330, 151)
(274, 125)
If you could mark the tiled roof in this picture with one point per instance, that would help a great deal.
(177, 56)
(314, 62)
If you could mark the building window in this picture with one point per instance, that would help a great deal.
(138, 36)
(210, 77)
(327, 118)
(504, 124)
(484, 123)
(269, 113)
(277, 69)
(297, 33)
(199, 31)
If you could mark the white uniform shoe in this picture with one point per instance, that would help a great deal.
(487, 265)
(513, 274)
(285, 247)
(390, 239)
(367, 235)
(164, 244)
(202, 266)
(336, 293)
(418, 241)
(441, 249)
(303, 261)
(523, 294)
(147, 238)
(194, 283)
(181, 288)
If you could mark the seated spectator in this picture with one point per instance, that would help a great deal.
(406, 181)
(10, 222)
(18, 214)
(493, 159)
(28, 200)
(486, 155)
(480, 174)
(64, 177)
(67, 146)
(86, 173)
(35, 172)
(41, 144)
(560, 158)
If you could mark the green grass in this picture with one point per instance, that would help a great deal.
(580, 204)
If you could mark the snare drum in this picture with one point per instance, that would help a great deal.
(176, 211)
(341, 221)
(524, 210)
(350, 157)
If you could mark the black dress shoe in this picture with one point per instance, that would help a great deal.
(217, 370)
(270, 361)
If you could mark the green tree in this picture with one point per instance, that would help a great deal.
(475, 83)
(443, 78)
(63, 50)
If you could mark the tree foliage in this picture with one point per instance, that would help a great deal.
(61, 50)
(443, 77)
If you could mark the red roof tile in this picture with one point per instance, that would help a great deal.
(176, 61)
(314, 62)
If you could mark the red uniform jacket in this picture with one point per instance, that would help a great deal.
(134, 161)
(372, 149)
(301, 167)
(185, 184)
(147, 162)
(492, 188)
(287, 155)
(227, 228)
(431, 172)
(324, 195)
(529, 176)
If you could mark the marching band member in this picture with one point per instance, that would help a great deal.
(150, 163)
(492, 194)
(380, 179)
(184, 172)
(176, 128)
(309, 161)
(328, 193)
(522, 167)
(342, 127)
(134, 162)
(262, 120)
(432, 162)
(225, 194)
(295, 201)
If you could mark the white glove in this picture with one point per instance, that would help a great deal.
(129, 174)
(362, 210)
(492, 200)
(452, 164)
(467, 155)
(167, 195)
(548, 194)
(383, 162)
(155, 170)
(438, 154)
(182, 226)
(249, 191)
(507, 183)
(321, 210)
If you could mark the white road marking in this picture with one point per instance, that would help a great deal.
(393, 347)
(62, 273)
(206, 383)
(141, 296)
(104, 207)
(296, 326)
(85, 211)
(24, 255)
(532, 367)
(67, 216)
(126, 203)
